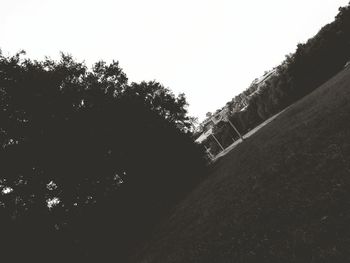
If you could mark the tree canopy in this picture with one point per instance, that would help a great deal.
(312, 64)
(89, 162)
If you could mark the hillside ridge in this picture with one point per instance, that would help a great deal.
(281, 196)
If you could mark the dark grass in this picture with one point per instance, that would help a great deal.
(281, 196)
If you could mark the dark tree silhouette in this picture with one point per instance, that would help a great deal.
(89, 163)
(313, 63)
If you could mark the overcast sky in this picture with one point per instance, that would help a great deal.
(209, 49)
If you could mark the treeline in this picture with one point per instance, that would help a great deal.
(313, 63)
(89, 162)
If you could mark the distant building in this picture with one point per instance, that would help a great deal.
(265, 77)
(208, 125)
(204, 135)
(260, 82)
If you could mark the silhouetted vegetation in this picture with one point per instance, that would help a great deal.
(313, 63)
(89, 162)
(281, 196)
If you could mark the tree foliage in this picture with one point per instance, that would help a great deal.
(313, 63)
(89, 162)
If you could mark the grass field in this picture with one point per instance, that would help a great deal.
(283, 195)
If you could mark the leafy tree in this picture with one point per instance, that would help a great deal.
(89, 162)
(313, 63)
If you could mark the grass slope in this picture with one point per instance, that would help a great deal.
(281, 196)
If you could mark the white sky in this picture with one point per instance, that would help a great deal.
(209, 49)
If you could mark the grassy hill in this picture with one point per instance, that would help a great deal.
(281, 196)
